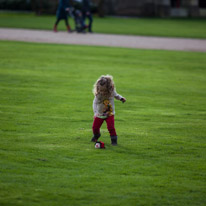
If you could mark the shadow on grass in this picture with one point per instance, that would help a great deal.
(122, 149)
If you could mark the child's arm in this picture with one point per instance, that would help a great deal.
(95, 106)
(119, 97)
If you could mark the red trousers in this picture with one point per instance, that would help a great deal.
(110, 125)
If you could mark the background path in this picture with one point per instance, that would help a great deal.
(103, 40)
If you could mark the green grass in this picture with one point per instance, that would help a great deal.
(46, 157)
(188, 28)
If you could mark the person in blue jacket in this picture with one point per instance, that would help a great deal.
(62, 13)
(86, 10)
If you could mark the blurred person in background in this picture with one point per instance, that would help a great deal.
(86, 10)
(62, 14)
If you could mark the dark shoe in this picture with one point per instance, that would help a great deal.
(114, 140)
(95, 137)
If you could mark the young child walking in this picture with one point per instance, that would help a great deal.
(103, 107)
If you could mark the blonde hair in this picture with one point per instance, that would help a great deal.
(104, 86)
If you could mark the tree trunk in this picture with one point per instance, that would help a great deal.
(101, 10)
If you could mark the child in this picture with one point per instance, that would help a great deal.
(79, 23)
(103, 106)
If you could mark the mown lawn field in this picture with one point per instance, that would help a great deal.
(182, 27)
(46, 157)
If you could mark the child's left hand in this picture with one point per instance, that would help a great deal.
(123, 100)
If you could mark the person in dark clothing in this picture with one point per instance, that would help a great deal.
(62, 13)
(86, 10)
(79, 23)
